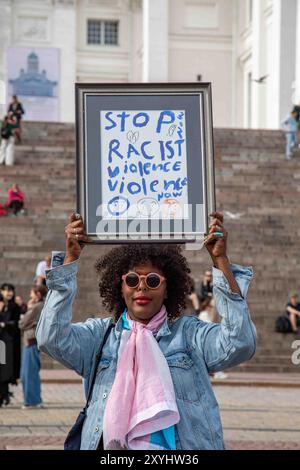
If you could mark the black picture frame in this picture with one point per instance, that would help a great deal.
(107, 111)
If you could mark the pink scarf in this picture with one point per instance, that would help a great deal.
(142, 399)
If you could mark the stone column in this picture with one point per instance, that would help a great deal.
(258, 67)
(287, 56)
(155, 40)
(64, 37)
(297, 81)
(274, 54)
(5, 40)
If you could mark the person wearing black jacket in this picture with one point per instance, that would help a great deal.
(10, 336)
(17, 109)
(206, 286)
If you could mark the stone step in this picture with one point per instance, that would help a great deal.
(252, 178)
(255, 368)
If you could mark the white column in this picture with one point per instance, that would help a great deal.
(234, 67)
(297, 81)
(282, 57)
(155, 40)
(274, 61)
(64, 37)
(287, 56)
(258, 67)
(5, 39)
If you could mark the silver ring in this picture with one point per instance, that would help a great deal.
(78, 216)
(74, 230)
(76, 236)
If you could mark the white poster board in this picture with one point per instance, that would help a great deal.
(143, 164)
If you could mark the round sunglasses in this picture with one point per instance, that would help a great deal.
(152, 280)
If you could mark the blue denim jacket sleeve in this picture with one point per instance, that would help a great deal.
(233, 340)
(72, 344)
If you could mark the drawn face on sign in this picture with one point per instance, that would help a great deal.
(147, 207)
(118, 205)
(170, 208)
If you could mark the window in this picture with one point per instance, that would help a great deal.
(94, 32)
(111, 32)
(103, 32)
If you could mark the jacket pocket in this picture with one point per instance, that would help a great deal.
(181, 367)
(101, 378)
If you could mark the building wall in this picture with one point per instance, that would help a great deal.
(103, 63)
(266, 47)
(231, 43)
(200, 43)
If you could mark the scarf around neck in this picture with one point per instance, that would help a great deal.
(141, 410)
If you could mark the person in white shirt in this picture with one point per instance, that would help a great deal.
(40, 273)
(209, 314)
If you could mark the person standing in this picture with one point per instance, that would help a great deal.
(17, 109)
(151, 388)
(209, 314)
(297, 110)
(192, 301)
(7, 148)
(10, 335)
(290, 126)
(30, 370)
(40, 273)
(22, 304)
(206, 286)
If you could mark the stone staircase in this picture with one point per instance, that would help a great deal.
(255, 185)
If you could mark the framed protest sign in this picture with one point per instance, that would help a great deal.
(145, 167)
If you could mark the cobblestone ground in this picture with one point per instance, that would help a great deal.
(253, 418)
(260, 418)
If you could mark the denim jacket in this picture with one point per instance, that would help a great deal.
(191, 347)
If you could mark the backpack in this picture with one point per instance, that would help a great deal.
(283, 325)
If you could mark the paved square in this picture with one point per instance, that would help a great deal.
(253, 417)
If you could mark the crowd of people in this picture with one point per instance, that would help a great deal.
(18, 320)
(202, 304)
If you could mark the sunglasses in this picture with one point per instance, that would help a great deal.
(152, 280)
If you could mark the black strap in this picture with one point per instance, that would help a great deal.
(96, 363)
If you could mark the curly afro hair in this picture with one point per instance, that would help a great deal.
(120, 260)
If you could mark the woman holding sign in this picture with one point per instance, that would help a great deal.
(151, 388)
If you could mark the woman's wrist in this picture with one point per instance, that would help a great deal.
(70, 259)
(221, 262)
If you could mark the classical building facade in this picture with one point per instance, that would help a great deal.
(248, 49)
